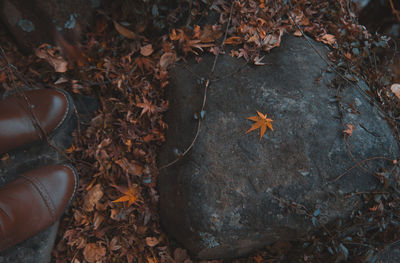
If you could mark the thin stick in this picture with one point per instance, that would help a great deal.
(206, 86)
(351, 168)
(394, 11)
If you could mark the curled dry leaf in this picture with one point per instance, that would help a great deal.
(152, 241)
(94, 253)
(272, 40)
(130, 167)
(208, 34)
(233, 41)
(300, 18)
(92, 197)
(114, 243)
(327, 39)
(297, 33)
(146, 50)
(167, 59)
(349, 130)
(52, 56)
(124, 31)
(395, 88)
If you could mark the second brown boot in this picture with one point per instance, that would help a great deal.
(34, 201)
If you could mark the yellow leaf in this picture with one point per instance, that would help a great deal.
(262, 123)
(130, 196)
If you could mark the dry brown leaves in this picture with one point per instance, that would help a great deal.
(114, 217)
(53, 57)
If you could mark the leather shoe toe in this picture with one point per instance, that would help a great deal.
(22, 114)
(34, 201)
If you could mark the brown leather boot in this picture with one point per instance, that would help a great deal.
(25, 117)
(34, 201)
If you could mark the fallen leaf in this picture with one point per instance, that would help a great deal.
(114, 244)
(167, 59)
(177, 36)
(258, 61)
(233, 41)
(272, 40)
(92, 197)
(71, 149)
(146, 50)
(152, 241)
(144, 63)
(5, 157)
(93, 252)
(124, 31)
(297, 33)
(374, 208)
(59, 81)
(147, 107)
(208, 34)
(300, 18)
(262, 122)
(51, 55)
(327, 39)
(349, 130)
(130, 195)
(395, 88)
(130, 167)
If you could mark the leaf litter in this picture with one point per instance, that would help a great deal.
(114, 217)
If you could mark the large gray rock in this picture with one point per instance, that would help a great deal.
(228, 196)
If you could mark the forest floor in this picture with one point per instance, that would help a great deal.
(125, 63)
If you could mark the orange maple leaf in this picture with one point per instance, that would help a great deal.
(130, 195)
(262, 122)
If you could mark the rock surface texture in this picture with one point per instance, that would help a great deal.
(229, 195)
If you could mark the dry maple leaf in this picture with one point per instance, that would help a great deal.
(262, 122)
(147, 107)
(130, 194)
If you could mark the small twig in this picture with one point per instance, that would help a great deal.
(78, 120)
(206, 86)
(361, 193)
(363, 161)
